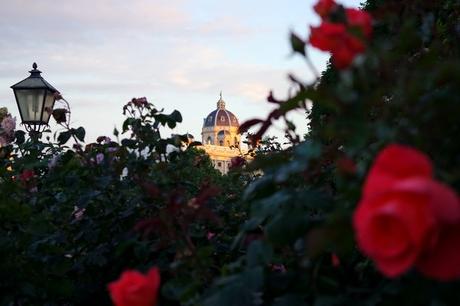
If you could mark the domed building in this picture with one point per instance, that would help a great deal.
(220, 137)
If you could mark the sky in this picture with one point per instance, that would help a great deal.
(178, 53)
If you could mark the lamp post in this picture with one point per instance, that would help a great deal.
(35, 98)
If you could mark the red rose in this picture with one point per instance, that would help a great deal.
(324, 7)
(328, 36)
(135, 289)
(26, 175)
(345, 53)
(334, 38)
(346, 165)
(343, 40)
(405, 218)
(335, 261)
(396, 162)
(361, 20)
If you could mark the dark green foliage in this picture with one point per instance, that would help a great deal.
(89, 214)
(404, 89)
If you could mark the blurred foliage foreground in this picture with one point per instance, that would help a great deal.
(361, 211)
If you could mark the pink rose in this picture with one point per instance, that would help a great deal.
(99, 158)
(9, 125)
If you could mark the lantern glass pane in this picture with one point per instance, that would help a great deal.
(49, 103)
(30, 103)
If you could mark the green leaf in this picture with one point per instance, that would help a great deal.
(289, 300)
(128, 122)
(80, 133)
(259, 254)
(288, 226)
(64, 137)
(308, 150)
(171, 124)
(244, 289)
(297, 44)
(20, 137)
(195, 143)
(176, 116)
(128, 143)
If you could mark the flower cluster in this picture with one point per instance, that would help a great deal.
(138, 102)
(343, 32)
(237, 162)
(406, 218)
(8, 126)
(135, 289)
(28, 180)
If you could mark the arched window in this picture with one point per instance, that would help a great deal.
(228, 143)
(209, 140)
(221, 142)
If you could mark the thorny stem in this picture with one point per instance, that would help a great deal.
(66, 124)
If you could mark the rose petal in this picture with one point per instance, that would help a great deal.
(395, 266)
(442, 200)
(389, 234)
(324, 7)
(154, 277)
(393, 227)
(360, 19)
(444, 203)
(328, 36)
(442, 262)
(134, 288)
(409, 210)
(344, 54)
(394, 163)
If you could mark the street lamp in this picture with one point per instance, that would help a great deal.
(35, 98)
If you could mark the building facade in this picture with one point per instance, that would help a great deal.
(220, 136)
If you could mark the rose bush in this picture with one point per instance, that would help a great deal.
(76, 216)
(304, 209)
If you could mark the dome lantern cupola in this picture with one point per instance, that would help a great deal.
(221, 102)
(221, 117)
(221, 137)
(220, 127)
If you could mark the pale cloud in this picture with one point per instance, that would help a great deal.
(255, 91)
(227, 25)
(100, 14)
(178, 53)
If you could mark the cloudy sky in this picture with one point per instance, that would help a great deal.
(178, 53)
